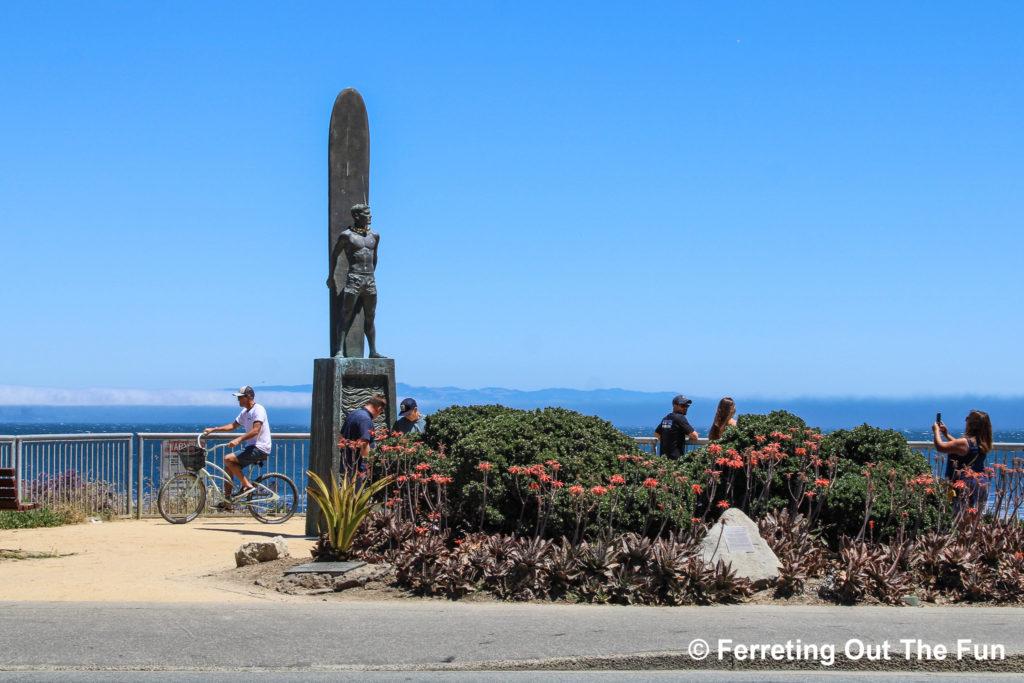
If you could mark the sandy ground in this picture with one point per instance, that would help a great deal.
(145, 560)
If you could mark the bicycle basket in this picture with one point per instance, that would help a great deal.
(192, 457)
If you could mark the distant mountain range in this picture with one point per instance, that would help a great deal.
(621, 407)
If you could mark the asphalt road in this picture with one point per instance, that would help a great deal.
(36, 638)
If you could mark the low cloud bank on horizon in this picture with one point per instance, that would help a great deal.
(44, 396)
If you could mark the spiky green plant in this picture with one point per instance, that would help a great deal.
(343, 507)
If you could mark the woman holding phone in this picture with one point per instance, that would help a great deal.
(966, 458)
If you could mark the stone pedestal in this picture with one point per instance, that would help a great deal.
(341, 385)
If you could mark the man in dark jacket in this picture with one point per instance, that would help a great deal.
(675, 428)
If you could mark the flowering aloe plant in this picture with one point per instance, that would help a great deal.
(343, 507)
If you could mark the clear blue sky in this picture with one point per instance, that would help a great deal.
(716, 198)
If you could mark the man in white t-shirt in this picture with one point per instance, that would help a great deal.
(256, 440)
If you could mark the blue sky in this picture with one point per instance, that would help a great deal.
(773, 199)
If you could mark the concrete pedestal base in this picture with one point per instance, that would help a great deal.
(341, 385)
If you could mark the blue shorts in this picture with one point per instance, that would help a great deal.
(250, 455)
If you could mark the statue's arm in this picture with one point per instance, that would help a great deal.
(336, 253)
(375, 246)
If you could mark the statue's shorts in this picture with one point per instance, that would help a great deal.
(359, 284)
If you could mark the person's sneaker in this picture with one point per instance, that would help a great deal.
(245, 492)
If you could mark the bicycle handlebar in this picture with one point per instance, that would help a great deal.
(199, 441)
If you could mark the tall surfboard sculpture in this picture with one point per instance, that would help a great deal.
(348, 178)
(344, 381)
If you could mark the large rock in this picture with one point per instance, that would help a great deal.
(755, 561)
(261, 551)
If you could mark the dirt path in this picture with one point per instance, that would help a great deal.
(137, 560)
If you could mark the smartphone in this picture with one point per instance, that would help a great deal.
(938, 418)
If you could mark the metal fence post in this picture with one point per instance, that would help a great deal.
(138, 507)
(17, 469)
(128, 477)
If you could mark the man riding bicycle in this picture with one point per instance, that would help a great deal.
(256, 441)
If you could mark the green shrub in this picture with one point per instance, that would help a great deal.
(31, 519)
(573, 449)
(892, 465)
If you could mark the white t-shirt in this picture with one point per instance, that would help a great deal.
(256, 414)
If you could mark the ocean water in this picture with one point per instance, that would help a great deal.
(20, 428)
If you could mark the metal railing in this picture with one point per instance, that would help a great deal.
(7, 448)
(110, 473)
(158, 462)
(88, 472)
(1001, 454)
(652, 444)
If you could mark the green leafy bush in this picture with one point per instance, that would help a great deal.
(880, 458)
(557, 445)
(31, 519)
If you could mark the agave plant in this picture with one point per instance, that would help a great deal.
(889, 583)
(726, 586)
(343, 507)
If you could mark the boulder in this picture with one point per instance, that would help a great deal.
(261, 551)
(727, 541)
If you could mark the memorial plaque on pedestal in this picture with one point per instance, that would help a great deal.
(341, 385)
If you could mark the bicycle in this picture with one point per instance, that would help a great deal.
(184, 496)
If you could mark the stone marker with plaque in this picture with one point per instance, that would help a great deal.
(734, 539)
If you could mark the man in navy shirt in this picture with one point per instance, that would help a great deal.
(675, 428)
(357, 435)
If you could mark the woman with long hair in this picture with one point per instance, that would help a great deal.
(723, 418)
(966, 458)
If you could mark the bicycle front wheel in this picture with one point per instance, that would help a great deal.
(182, 498)
(274, 500)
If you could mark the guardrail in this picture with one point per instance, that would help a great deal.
(89, 472)
(111, 473)
(7, 447)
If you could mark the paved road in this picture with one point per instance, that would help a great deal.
(397, 636)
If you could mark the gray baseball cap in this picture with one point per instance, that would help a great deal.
(245, 391)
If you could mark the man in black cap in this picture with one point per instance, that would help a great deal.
(409, 419)
(675, 428)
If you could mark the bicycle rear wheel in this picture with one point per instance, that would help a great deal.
(274, 500)
(182, 498)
